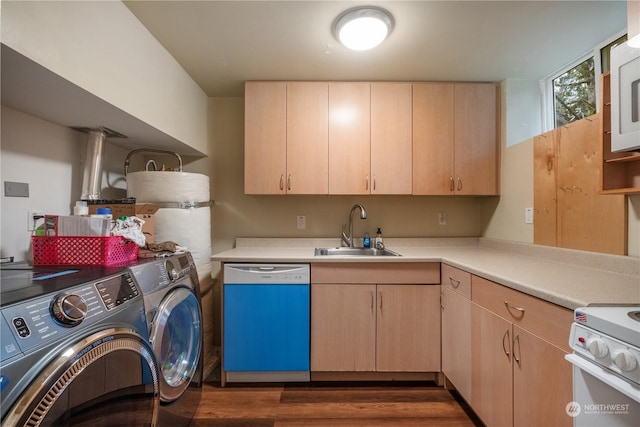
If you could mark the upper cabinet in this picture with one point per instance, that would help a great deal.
(349, 138)
(455, 146)
(391, 170)
(62, 64)
(382, 138)
(286, 138)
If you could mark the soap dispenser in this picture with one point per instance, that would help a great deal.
(379, 244)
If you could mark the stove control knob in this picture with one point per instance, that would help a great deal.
(597, 347)
(69, 310)
(624, 360)
(172, 271)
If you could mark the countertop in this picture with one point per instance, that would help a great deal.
(568, 278)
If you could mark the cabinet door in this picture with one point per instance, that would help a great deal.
(542, 378)
(265, 138)
(343, 327)
(307, 138)
(456, 340)
(545, 161)
(349, 138)
(408, 328)
(476, 144)
(491, 377)
(391, 138)
(433, 138)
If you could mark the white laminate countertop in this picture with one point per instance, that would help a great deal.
(565, 277)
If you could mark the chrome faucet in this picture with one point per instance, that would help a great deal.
(348, 240)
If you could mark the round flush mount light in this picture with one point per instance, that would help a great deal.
(363, 28)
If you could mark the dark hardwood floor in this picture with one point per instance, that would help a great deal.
(331, 404)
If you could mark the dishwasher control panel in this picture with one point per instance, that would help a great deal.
(267, 273)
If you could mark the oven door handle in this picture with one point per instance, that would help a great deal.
(605, 376)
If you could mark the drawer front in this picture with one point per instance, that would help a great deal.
(456, 279)
(379, 273)
(542, 318)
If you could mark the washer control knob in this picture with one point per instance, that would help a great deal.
(172, 271)
(624, 360)
(597, 347)
(69, 310)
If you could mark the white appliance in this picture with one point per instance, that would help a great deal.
(625, 98)
(606, 366)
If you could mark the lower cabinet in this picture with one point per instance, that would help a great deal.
(519, 374)
(357, 326)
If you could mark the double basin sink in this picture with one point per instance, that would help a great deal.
(354, 252)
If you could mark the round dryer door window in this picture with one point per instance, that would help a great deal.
(176, 339)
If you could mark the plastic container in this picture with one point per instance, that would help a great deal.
(81, 208)
(379, 243)
(366, 241)
(82, 250)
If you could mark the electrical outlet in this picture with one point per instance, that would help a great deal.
(302, 222)
(528, 215)
(442, 218)
(32, 218)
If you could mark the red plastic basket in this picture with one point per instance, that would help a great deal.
(82, 250)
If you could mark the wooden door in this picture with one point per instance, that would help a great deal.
(542, 378)
(491, 374)
(343, 327)
(391, 138)
(408, 328)
(587, 221)
(433, 136)
(265, 138)
(476, 139)
(349, 138)
(307, 138)
(456, 341)
(545, 172)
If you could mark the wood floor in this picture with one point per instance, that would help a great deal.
(331, 405)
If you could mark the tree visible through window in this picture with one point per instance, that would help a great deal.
(574, 93)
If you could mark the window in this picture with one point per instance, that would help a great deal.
(572, 93)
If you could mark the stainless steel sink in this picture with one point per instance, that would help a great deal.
(354, 252)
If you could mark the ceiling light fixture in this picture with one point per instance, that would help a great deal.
(363, 28)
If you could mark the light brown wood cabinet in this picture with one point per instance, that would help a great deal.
(358, 138)
(456, 328)
(286, 138)
(455, 139)
(518, 365)
(375, 318)
(569, 212)
(349, 138)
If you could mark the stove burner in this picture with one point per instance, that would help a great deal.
(635, 315)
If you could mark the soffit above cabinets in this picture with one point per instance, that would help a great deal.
(31, 88)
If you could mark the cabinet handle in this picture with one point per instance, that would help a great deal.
(455, 283)
(374, 182)
(281, 182)
(380, 302)
(451, 184)
(371, 302)
(289, 182)
(459, 183)
(366, 182)
(516, 341)
(506, 351)
(510, 307)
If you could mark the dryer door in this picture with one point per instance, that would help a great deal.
(106, 379)
(176, 337)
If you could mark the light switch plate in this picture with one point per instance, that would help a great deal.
(528, 216)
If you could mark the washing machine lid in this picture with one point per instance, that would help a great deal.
(21, 281)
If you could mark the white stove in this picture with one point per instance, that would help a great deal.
(606, 365)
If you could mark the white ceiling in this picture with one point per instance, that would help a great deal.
(223, 43)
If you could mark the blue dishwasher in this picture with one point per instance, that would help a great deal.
(266, 322)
